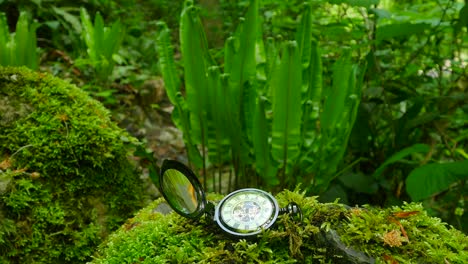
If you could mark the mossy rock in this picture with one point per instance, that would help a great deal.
(329, 233)
(65, 178)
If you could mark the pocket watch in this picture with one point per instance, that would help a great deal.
(242, 213)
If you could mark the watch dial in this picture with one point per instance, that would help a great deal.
(247, 211)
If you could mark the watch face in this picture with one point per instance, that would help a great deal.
(246, 212)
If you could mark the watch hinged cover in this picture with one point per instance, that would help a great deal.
(181, 189)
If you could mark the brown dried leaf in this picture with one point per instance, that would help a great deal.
(392, 238)
(35, 175)
(390, 258)
(405, 214)
(5, 164)
(402, 229)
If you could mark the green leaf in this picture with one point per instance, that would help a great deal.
(272, 58)
(359, 182)
(73, 20)
(180, 115)
(196, 60)
(304, 36)
(380, 13)
(260, 59)
(286, 85)
(181, 118)
(241, 67)
(400, 30)
(312, 103)
(417, 148)
(430, 179)
(113, 37)
(19, 48)
(167, 63)
(462, 19)
(334, 104)
(356, 83)
(218, 147)
(263, 161)
(335, 193)
(4, 39)
(338, 117)
(102, 42)
(88, 32)
(21, 40)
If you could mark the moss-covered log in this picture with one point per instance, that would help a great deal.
(329, 233)
(65, 179)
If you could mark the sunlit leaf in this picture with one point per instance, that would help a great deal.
(195, 57)
(180, 115)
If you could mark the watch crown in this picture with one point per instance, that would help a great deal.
(292, 209)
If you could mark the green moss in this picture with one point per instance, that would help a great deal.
(65, 179)
(155, 237)
(152, 237)
(405, 234)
